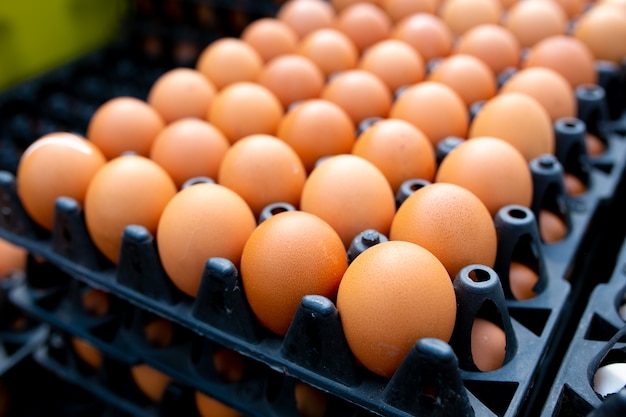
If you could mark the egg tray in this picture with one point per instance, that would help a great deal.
(600, 339)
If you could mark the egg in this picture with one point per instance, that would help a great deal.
(130, 189)
(522, 279)
(159, 332)
(546, 86)
(87, 352)
(229, 60)
(339, 5)
(317, 128)
(572, 8)
(292, 78)
(210, 407)
(399, 9)
(12, 258)
(566, 55)
(150, 381)
(202, 221)
(609, 379)
(395, 62)
(492, 169)
(351, 195)
(124, 124)
(262, 108)
(400, 150)
(519, 120)
(392, 295)
(488, 345)
(442, 111)
(427, 33)
(492, 44)
(449, 221)
(229, 364)
(189, 148)
(467, 75)
(56, 165)
(288, 256)
(180, 93)
(262, 169)
(359, 93)
(270, 37)
(533, 20)
(310, 401)
(552, 227)
(364, 23)
(305, 16)
(329, 49)
(595, 146)
(599, 28)
(462, 15)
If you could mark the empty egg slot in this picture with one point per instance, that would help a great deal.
(599, 329)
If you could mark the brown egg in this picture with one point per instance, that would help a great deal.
(261, 108)
(468, 76)
(330, 50)
(449, 221)
(270, 37)
(87, 352)
(442, 112)
(395, 62)
(310, 401)
(364, 23)
(288, 256)
(229, 364)
(492, 44)
(359, 93)
(55, 165)
(427, 33)
(533, 20)
(566, 55)
(339, 5)
(124, 124)
(488, 345)
(127, 190)
(159, 332)
(229, 60)
(595, 146)
(519, 120)
(202, 221)
(262, 169)
(506, 4)
(392, 295)
(546, 86)
(399, 9)
(492, 169)
(305, 16)
(292, 78)
(211, 407)
(95, 302)
(551, 227)
(12, 258)
(462, 15)
(189, 148)
(181, 92)
(399, 150)
(350, 194)
(150, 381)
(572, 8)
(600, 28)
(315, 129)
(522, 279)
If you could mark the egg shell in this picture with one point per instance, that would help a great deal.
(350, 194)
(310, 401)
(202, 221)
(533, 20)
(189, 148)
(229, 60)
(124, 124)
(12, 258)
(55, 165)
(181, 92)
(492, 169)
(331, 50)
(211, 407)
(292, 78)
(551, 227)
(601, 29)
(150, 381)
(462, 15)
(317, 128)
(305, 16)
(427, 33)
(270, 37)
(522, 279)
(449, 221)
(127, 190)
(364, 23)
(95, 302)
(392, 295)
(519, 120)
(87, 352)
(229, 364)
(261, 108)
(442, 112)
(400, 150)
(399, 9)
(288, 256)
(262, 169)
(339, 5)
(488, 345)
(492, 44)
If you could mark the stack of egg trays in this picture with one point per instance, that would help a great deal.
(600, 339)
(315, 350)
